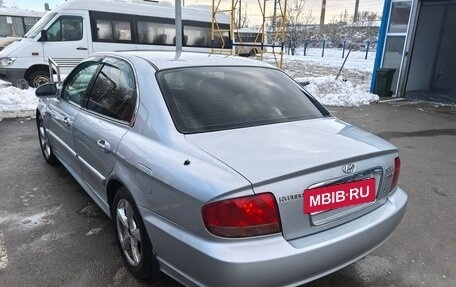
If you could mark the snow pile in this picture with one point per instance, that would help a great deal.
(13, 99)
(331, 92)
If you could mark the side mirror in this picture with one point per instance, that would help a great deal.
(44, 35)
(48, 90)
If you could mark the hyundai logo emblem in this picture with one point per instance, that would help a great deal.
(349, 168)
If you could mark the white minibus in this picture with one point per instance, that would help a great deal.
(15, 22)
(77, 28)
(249, 41)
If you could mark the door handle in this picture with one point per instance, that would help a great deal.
(67, 121)
(104, 145)
(81, 48)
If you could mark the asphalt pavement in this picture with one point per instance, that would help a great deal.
(52, 234)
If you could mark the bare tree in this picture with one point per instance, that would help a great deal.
(355, 34)
(298, 21)
(244, 18)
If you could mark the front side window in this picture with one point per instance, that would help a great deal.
(205, 99)
(65, 29)
(114, 91)
(76, 83)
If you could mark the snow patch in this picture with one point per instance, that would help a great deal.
(3, 254)
(35, 220)
(332, 92)
(94, 231)
(15, 102)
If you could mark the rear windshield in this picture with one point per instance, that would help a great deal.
(202, 99)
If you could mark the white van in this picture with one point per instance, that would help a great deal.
(15, 22)
(78, 28)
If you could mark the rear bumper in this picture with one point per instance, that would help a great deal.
(203, 260)
(12, 75)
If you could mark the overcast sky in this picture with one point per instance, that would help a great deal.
(333, 7)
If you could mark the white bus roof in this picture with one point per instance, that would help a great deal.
(21, 12)
(163, 10)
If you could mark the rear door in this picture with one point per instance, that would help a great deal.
(103, 122)
(67, 40)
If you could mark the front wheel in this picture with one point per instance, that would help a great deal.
(132, 237)
(46, 148)
(38, 78)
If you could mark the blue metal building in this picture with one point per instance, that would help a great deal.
(417, 38)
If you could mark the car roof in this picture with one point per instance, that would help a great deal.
(167, 60)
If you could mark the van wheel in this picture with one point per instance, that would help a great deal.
(132, 237)
(38, 78)
(253, 52)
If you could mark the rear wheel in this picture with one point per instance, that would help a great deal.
(38, 78)
(46, 148)
(132, 237)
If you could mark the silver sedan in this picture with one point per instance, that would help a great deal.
(220, 171)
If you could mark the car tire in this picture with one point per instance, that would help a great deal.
(38, 78)
(132, 238)
(45, 145)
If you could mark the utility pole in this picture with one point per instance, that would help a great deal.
(322, 15)
(274, 17)
(355, 16)
(240, 14)
(178, 21)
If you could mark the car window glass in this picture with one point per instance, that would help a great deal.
(77, 82)
(114, 91)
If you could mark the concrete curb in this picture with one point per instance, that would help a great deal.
(17, 114)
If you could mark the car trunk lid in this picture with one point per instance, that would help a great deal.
(288, 158)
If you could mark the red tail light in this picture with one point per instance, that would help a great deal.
(243, 216)
(397, 169)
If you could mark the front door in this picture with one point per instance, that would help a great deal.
(64, 110)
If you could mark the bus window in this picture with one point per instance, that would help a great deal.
(122, 30)
(113, 30)
(198, 36)
(11, 26)
(104, 30)
(155, 33)
(29, 22)
(222, 39)
(146, 32)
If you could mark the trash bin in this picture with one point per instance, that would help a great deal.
(384, 78)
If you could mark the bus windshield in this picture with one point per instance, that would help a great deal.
(36, 29)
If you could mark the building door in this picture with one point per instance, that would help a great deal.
(431, 71)
(394, 51)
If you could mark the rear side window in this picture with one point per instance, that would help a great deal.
(114, 91)
(205, 99)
